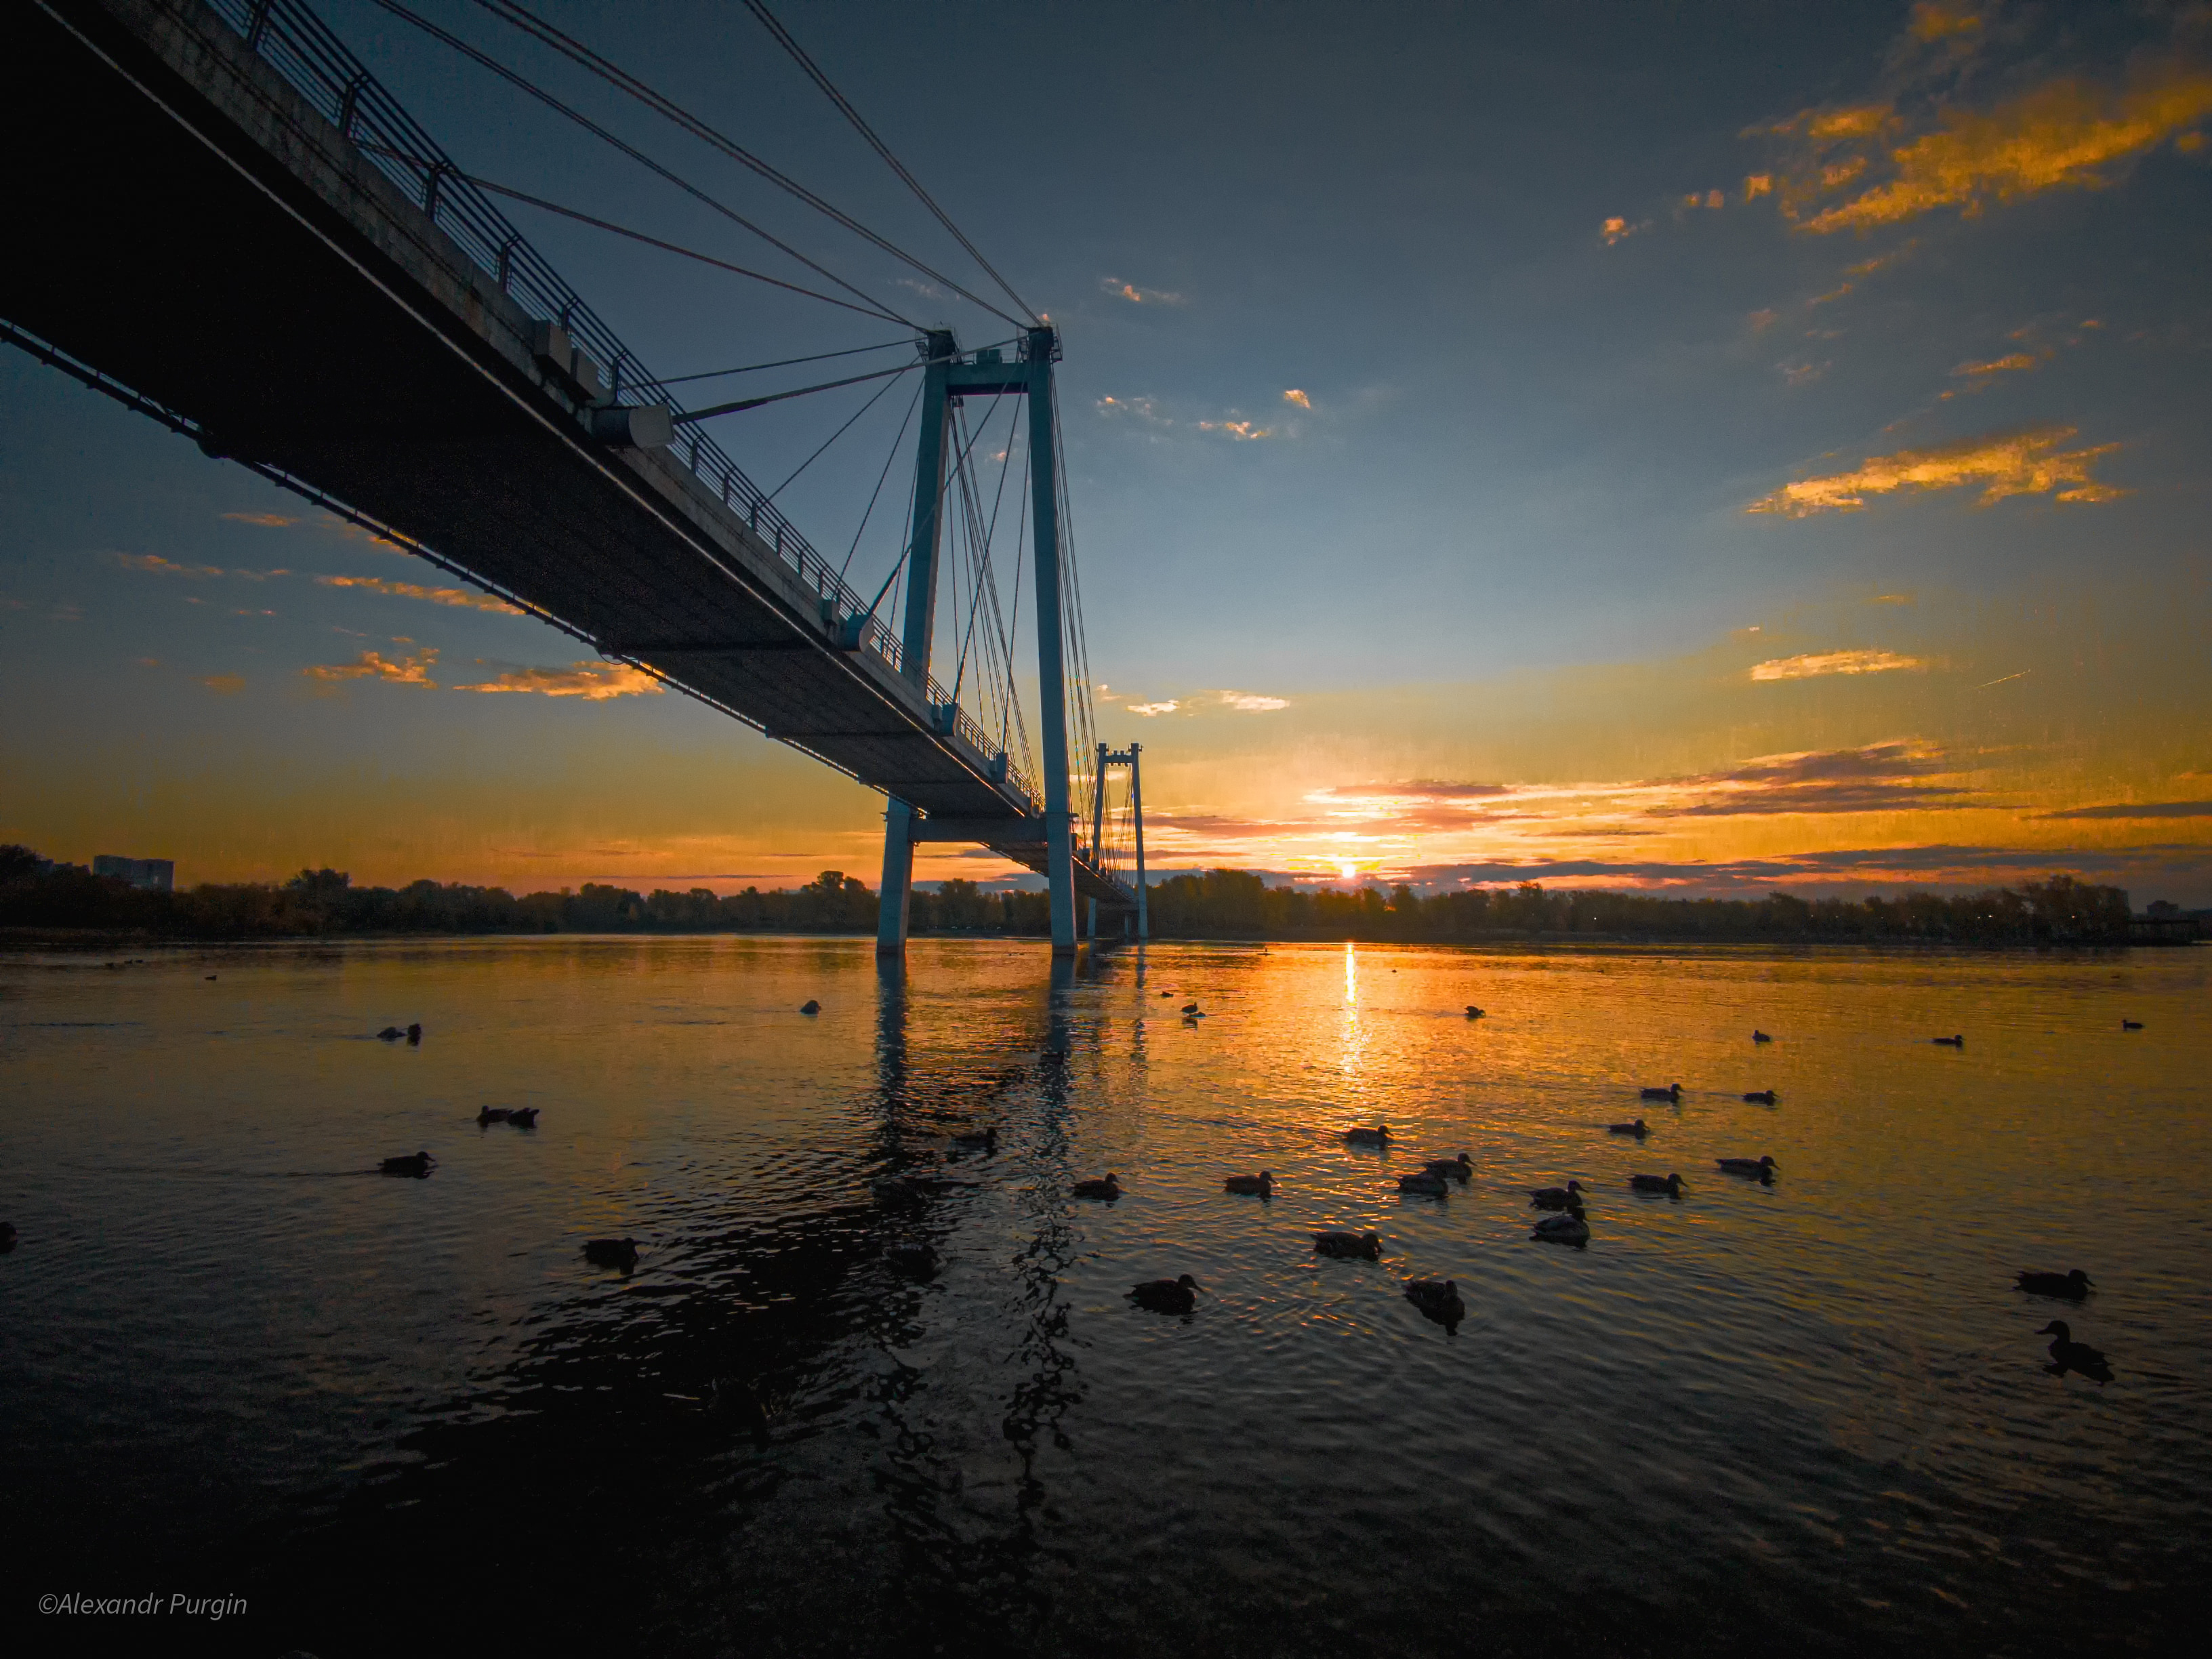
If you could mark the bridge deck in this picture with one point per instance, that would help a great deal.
(190, 226)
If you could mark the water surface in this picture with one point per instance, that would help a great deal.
(1811, 1414)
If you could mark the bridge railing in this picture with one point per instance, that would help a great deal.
(288, 36)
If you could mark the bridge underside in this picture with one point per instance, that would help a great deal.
(189, 226)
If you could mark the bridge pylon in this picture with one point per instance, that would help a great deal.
(951, 378)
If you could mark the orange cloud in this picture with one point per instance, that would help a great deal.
(412, 670)
(2063, 134)
(1817, 663)
(1250, 703)
(2018, 360)
(2016, 464)
(1148, 709)
(1758, 184)
(594, 682)
(453, 596)
(1934, 22)
(1295, 396)
(160, 566)
(266, 520)
(225, 685)
(1615, 230)
(1139, 297)
(1243, 431)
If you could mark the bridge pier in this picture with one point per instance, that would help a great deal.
(1041, 346)
(897, 889)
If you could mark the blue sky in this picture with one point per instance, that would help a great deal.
(1562, 293)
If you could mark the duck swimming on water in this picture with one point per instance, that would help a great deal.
(1556, 1197)
(611, 1253)
(1758, 1169)
(1761, 1098)
(1423, 1184)
(1263, 1184)
(1671, 1185)
(2073, 1285)
(1473, 1013)
(809, 1006)
(1949, 1041)
(2068, 1355)
(1439, 1298)
(1110, 1189)
(1344, 1246)
(1760, 1036)
(1572, 1228)
(1458, 1169)
(1170, 1296)
(417, 1166)
(1673, 1091)
(1638, 1128)
(1377, 1136)
(491, 1114)
(525, 1117)
(2131, 1026)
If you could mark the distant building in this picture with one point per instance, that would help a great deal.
(154, 875)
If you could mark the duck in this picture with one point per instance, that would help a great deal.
(611, 1253)
(1192, 1011)
(1473, 1013)
(1556, 1197)
(1377, 1136)
(1671, 1185)
(1262, 1183)
(809, 1006)
(525, 1117)
(414, 1036)
(912, 1257)
(1572, 1228)
(1762, 1097)
(1344, 1246)
(1436, 1297)
(417, 1166)
(986, 1141)
(1425, 1184)
(1460, 1168)
(1672, 1091)
(1758, 1169)
(390, 1034)
(487, 1114)
(1110, 1189)
(2073, 1285)
(1949, 1041)
(2071, 1356)
(1173, 1295)
(2131, 1026)
(1760, 1036)
(1638, 1128)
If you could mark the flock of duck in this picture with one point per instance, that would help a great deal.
(1564, 1220)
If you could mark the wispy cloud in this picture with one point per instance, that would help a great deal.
(595, 681)
(2027, 463)
(2149, 809)
(1619, 230)
(413, 669)
(1242, 431)
(266, 520)
(1139, 296)
(161, 566)
(2013, 362)
(1149, 709)
(459, 597)
(2066, 133)
(224, 685)
(1299, 398)
(1816, 664)
(1251, 702)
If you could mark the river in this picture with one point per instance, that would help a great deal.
(1810, 1415)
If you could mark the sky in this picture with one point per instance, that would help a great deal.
(1702, 449)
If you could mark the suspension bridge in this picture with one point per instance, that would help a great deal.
(224, 221)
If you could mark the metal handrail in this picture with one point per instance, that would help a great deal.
(288, 36)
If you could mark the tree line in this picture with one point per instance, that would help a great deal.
(37, 893)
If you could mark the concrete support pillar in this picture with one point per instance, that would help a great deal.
(897, 889)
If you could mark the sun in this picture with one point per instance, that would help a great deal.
(1347, 869)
